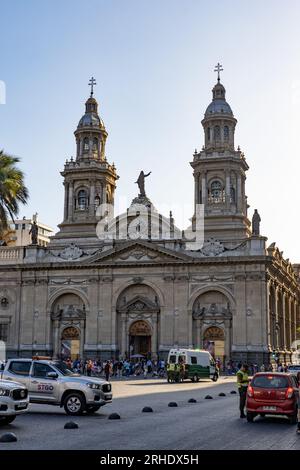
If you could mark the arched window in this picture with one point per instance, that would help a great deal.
(95, 145)
(232, 194)
(86, 145)
(217, 133)
(226, 133)
(216, 192)
(82, 200)
(208, 134)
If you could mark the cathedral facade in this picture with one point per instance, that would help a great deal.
(146, 289)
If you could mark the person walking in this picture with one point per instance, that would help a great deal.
(242, 382)
(89, 367)
(107, 369)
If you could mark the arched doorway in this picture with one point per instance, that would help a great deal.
(212, 323)
(140, 338)
(70, 343)
(68, 315)
(214, 342)
(138, 321)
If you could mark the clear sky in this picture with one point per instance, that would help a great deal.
(153, 61)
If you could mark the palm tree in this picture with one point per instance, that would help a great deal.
(12, 189)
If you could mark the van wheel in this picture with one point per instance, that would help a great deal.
(74, 404)
(215, 377)
(7, 419)
(195, 378)
(250, 417)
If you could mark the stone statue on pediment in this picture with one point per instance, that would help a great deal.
(256, 223)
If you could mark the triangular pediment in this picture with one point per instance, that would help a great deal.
(135, 252)
(139, 304)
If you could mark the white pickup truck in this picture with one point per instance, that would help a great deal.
(13, 400)
(50, 382)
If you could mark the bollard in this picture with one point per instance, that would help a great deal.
(208, 397)
(233, 392)
(147, 409)
(192, 400)
(71, 425)
(172, 404)
(114, 416)
(8, 437)
(222, 394)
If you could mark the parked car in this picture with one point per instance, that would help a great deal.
(52, 383)
(273, 393)
(294, 368)
(13, 401)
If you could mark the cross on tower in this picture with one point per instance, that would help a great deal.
(218, 68)
(92, 82)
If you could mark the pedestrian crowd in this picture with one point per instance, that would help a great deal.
(233, 367)
(117, 368)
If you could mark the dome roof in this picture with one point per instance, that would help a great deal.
(90, 119)
(218, 107)
(91, 116)
(219, 104)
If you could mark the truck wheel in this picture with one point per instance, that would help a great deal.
(74, 404)
(92, 409)
(7, 419)
(195, 378)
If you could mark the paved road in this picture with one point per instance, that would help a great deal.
(208, 424)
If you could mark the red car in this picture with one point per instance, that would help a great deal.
(273, 393)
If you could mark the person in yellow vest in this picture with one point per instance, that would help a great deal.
(242, 383)
(170, 372)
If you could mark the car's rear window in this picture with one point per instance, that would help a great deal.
(270, 381)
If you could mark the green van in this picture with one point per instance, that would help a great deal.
(194, 364)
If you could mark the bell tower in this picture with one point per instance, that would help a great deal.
(89, 180)
(220, 172)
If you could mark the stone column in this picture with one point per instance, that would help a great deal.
(66, 185)
(154, 336)
(124, 342)
(175, 327)
(90, 147)
(190, 328)
(268, 313)
(198, 335)
(103, 199)
(203, 188)
(92, 199)
(284, 313)
(276, 318)
(228, 339)
(227, 188)
(70, 201)
(290, 335)
(56, 338)
(239, 195)
(196, 189)
(295, 321)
